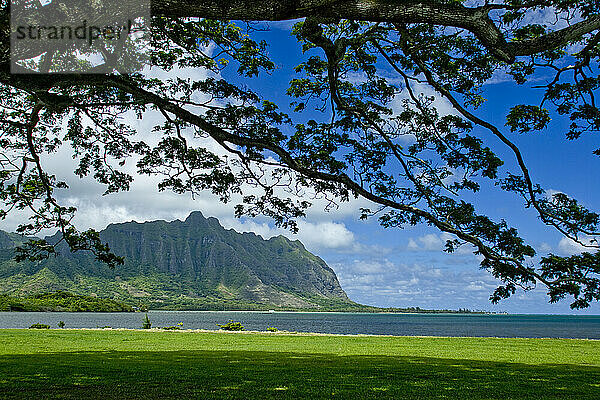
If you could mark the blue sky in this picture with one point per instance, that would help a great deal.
(392, 267)
(382, 267)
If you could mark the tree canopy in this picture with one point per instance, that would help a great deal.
(343, 137)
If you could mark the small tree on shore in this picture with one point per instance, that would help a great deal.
(146, 324)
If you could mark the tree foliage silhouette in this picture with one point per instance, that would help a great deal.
(414, 164)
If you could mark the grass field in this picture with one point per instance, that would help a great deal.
(98, 364)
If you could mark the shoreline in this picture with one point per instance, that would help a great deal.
(312, 312)
(272, 312)
(286, 333)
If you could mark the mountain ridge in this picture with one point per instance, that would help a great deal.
(191, 264)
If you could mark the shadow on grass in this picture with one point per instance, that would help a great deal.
(247, 375)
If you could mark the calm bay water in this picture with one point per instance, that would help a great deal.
(554, 326)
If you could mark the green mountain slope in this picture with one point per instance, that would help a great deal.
(191, 264)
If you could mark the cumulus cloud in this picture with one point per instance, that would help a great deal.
(391, 283)
(316, 236)
(569, 247)
(435, 242)
(544, 247)
(432, 242)
(499, 76)
(144, 202)
(395, 280)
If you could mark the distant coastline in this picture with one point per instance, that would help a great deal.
(449, 312)
(61, 302)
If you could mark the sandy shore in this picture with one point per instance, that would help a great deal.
(289, 333)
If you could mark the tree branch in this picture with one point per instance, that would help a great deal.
(554, 39)
(475, 20)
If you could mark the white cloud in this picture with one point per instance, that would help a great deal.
(568, 246)
(545, 247)
(412, 245)
(390, 283)
(143, 202)
(431, 242)
(499, 76)
(316, 236)
(435, 243)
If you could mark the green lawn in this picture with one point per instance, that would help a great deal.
(180, 365)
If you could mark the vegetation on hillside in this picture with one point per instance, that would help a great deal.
(61, 301)
(194, 264)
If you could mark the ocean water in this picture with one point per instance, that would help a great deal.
(483, 325)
